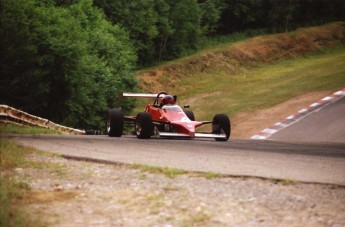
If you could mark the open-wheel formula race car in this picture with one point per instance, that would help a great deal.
(164, 118)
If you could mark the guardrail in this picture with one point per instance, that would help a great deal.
(23, 117)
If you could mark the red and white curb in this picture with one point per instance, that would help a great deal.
(267, 132)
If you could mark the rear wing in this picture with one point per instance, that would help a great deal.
(134, 95)
(139, 95)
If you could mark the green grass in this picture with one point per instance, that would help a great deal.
(11, 215)
(23, 129)
(263, 86)
(212, 175)
(172, 172)
(169, 172)
(13, 155)
(11, 191)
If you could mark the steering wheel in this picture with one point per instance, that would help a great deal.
(156, 103)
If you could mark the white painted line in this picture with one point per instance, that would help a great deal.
(280, 124)
(327, 98)
(269, 130)
(315, 104)
(257, 137)
(339, 93)
(303, 110)
(290, 117)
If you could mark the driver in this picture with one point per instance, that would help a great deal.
(168, 100)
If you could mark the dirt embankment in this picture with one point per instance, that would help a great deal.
(248, 53)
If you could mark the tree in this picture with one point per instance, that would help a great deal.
(159, 29)
(185, 16)
(240, 15)
(165, 30)
(140, 19)
(210, 14)
(66, 64)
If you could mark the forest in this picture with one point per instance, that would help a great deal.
(66, 60)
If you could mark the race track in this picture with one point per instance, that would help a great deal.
(310, 150)
(307, 162)
(323, 125)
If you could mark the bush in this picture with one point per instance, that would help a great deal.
(64, 63)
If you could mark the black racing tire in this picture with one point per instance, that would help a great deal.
(114, 123)
(143, 125)
(221, 124)
(190, 115)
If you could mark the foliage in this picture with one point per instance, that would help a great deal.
(160, 29)
(210, 14)
(63, 63)
(277, 16)
(139, 18)
(185, 17)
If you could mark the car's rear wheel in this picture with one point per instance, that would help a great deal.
(190, 115)
(143, 125)
(221, 125)
(114, 123)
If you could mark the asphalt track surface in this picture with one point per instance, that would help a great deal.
(323, 125)
(301, 157)
(307, 162)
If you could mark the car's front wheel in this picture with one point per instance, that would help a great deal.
(221, 125)
(143, 125)
(114, 123)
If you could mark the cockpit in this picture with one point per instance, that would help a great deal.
(174, 108)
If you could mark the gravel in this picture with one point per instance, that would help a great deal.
(77, 193)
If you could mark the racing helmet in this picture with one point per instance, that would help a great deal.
(168, 99)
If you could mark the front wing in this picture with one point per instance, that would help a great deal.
(196, 135)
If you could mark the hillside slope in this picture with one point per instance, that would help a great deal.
(248, 53)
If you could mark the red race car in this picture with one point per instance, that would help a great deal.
(164, 118)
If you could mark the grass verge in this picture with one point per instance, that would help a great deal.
(173, 172)
(169, 172)
(12, 192)
(10, 127)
